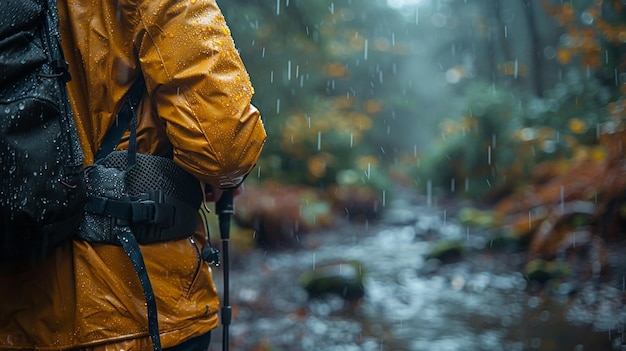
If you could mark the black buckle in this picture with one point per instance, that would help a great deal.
(151, 212)
(143, 211)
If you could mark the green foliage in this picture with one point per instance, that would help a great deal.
(474, 148)
(344, 89)
(502, 137)
(319, 69)
(572, 109)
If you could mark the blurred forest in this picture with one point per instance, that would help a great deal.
(515, 105)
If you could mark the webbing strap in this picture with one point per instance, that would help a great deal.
(138, 211)
(131, 246)
(126, 115)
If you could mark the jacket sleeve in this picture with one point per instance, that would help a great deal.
(201, 89)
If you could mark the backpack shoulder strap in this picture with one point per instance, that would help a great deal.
(123, 120)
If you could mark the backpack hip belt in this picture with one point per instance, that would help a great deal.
(155, 198)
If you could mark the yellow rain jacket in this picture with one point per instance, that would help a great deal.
(197, 107)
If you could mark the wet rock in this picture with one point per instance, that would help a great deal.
(505, 241)
(447, 252)
(431, 266)
(542, 271)
(340, 278)
(474, 217)
(400, 216)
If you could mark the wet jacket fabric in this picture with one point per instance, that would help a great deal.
(197, 110)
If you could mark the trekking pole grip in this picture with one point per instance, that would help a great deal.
(224, 209)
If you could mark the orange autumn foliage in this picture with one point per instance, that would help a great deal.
(592, 187)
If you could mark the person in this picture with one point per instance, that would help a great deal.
(196, 109)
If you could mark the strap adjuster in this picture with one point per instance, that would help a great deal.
(142, 211)
(152, 212)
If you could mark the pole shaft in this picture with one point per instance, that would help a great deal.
(224, 209)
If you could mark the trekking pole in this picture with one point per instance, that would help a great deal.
(224, 209)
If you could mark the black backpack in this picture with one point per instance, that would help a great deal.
(42, 191)
(46, 197)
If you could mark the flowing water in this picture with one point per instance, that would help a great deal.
(480, 303)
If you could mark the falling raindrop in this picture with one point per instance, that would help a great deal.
(365, 50)
(417, 17)
(289, 70)
(429, 193)
(319, 141)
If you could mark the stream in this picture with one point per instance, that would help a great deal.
(482, 302)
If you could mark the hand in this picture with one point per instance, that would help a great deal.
(212, 194)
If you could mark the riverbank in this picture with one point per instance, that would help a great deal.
(481, 302)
